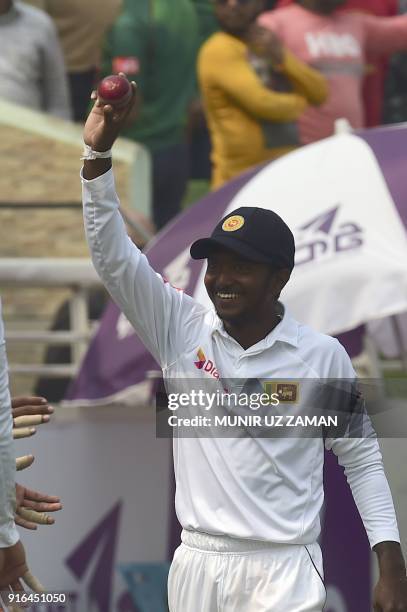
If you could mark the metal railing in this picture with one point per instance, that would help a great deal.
(76, 274)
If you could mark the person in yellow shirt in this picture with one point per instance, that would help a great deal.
(253, 91)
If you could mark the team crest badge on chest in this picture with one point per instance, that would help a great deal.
(287, 392)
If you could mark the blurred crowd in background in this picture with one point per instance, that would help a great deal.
(223, 84)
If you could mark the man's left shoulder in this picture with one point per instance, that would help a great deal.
(309, 336)
(322, 348)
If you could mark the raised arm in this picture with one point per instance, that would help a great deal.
(159, 313)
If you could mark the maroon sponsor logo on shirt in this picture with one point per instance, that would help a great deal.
(205, 364)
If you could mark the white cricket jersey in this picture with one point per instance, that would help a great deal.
(254, 488)
(8, 532)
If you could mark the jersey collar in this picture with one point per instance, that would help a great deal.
(286, 331)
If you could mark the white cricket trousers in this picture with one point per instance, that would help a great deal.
(221, 574)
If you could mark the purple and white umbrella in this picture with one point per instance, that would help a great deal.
(345, 199)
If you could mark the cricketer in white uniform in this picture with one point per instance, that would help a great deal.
(249, 507)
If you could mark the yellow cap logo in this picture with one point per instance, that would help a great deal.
(233, 223)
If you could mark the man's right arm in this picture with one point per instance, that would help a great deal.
(157, 311)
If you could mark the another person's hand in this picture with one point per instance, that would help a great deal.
(28, 412)
(24, 462)
(265, 43)
(13, 570)
(32, 508)
(104, 122)
(13, 567)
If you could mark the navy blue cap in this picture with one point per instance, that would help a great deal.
(255, 233)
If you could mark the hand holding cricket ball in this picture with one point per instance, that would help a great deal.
(114, 108)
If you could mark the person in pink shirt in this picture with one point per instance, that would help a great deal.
(336, 43)
(373, 85)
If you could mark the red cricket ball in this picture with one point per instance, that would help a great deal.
(114, 90)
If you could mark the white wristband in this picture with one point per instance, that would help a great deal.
(89, 153)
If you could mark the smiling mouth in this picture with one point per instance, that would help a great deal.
(223, 295)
